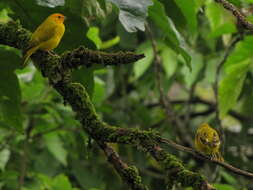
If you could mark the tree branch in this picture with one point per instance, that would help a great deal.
(234, 10)
(129, 174)
(86, 57)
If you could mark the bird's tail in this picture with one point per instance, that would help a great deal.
(27, 55)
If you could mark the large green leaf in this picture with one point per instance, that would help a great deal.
(231, 86)
(61, 182)
(55, 146)
(32, 89)
(224, 187)
(93, 35)
(221, 21)
(10, 94)
(242, 51)
(132, 13)
(236, 68)
(172, 37)
(142, 65)
(229, 178)
(169, 61)
(99, 91)
(188, 8)
(4, 157)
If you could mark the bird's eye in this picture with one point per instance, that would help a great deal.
(59, 17)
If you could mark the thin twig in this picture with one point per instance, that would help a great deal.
(212, 108)
(203, 157)
(234, 10)
(24, 156)
(164, 99)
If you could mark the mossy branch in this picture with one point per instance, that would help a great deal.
(75, 94)
(85, 57)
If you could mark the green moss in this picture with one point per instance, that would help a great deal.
(12, 34)
(85, 57)
(132, 175)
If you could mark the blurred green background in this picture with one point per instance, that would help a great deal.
(42, 146)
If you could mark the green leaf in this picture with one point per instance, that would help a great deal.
(231, 86)
(221, 21)
(132, 13)
(61, 182)
(10, 94)
(229, 178)
(226, 28)
(242, 51)
(4, 18)
(224, 187)
(87, 178)
(93, 35)
(158, 15)
(188, 8)
(32, 89)
(172, 37)
(142, 65)
(55, 146)
(44, 180)
(99, 91)
(110, 43)
(4, 157)
(192, 76)
(169, 61)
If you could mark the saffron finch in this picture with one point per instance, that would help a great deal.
(207, 141)
(47, 36)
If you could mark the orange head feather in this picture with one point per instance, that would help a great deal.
(57, 17)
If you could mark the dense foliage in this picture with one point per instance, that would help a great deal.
(197, 57)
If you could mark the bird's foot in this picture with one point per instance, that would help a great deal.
(52, 53)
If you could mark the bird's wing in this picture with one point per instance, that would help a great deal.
(43, 33)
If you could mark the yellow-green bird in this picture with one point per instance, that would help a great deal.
(47, 36)
(207, 141)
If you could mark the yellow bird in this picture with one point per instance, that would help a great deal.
(47, 36)
(207, 141)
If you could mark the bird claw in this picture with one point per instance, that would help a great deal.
(51, 53)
